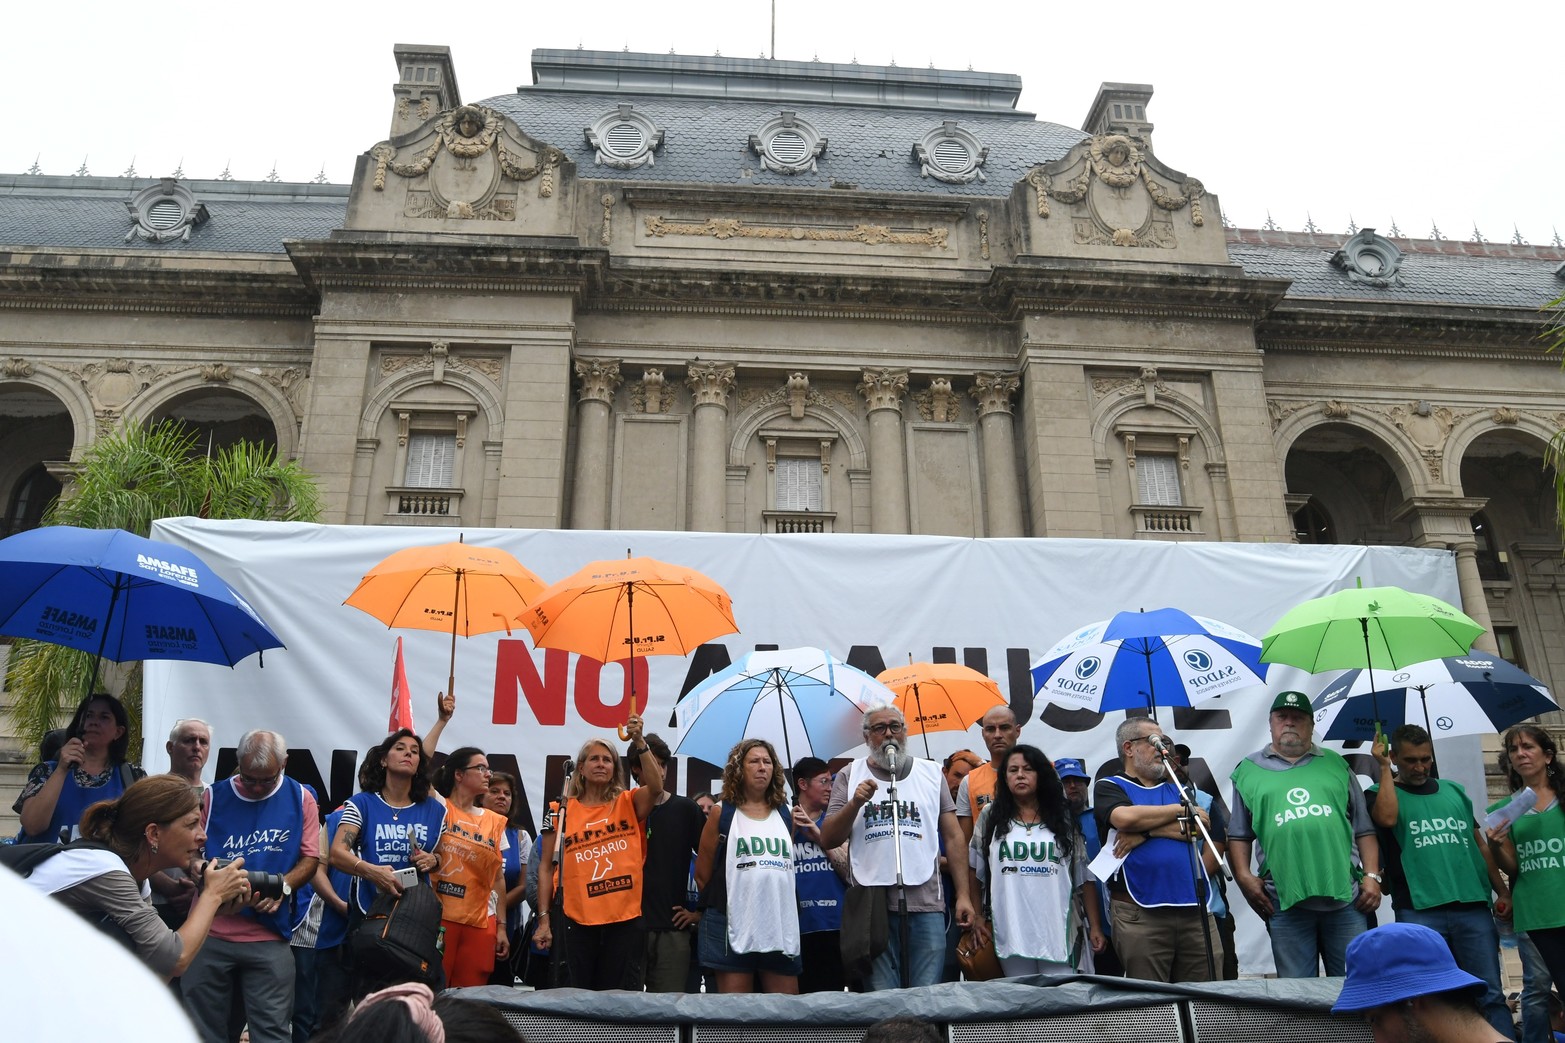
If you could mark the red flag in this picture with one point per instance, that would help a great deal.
(401, 696)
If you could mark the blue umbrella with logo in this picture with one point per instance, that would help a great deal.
(123, 597)
(1473, 694)
(1165, 657)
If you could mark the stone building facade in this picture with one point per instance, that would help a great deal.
(711, 294)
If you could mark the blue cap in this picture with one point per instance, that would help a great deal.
(1397, 962)
(1071, 768)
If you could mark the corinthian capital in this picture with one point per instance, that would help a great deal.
(884, 388)
(599, 379)
(710, 382)
(993, 392)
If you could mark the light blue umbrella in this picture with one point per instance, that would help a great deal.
(1165, 657)
(804, 701)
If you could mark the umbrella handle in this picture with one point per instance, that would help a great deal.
(624, 736)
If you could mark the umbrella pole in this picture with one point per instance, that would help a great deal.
(456, 603)
(1151, 688)
(918, 705)
(1369, 664)
(782, 715)
(630, 624)
(108, 617)
(1434, 762)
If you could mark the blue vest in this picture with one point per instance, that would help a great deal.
(512, 861)
(1157, 873)
(818, 886)
(383, 840)
(334, 926)
(306, 894)
(73, 801)
(266, 833)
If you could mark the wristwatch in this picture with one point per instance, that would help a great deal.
(639, 752)
(1375, 877)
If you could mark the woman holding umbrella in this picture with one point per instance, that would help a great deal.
(750, 926)
(1528, 848)
(602, 841)
(1031, 864)
(90, 767)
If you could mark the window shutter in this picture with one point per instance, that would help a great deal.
(431, 461)
(1157, 481)
(798, 484)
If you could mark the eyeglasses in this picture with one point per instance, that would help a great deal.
(264, 783)
(486, 769)
(887, 727)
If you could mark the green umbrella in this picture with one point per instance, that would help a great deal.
(1368, 627)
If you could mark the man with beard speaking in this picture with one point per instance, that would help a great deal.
(860, 810)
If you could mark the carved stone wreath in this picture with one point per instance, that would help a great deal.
(468, 133)
(1116, 161)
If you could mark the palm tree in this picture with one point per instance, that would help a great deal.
(128, 480)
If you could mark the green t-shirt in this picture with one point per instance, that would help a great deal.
(1538, 889)
(1302, 818)
(1440, 862)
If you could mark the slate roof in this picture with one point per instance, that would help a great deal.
(88, 213)
(1464, 275)
(707, 141)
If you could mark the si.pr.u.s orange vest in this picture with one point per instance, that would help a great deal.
(601, 856)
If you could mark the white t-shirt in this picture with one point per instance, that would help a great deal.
(763, 910)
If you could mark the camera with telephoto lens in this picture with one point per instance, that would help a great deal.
(267, 885)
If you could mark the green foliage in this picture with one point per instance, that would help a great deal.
(128, 480)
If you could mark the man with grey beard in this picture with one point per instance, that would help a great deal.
(925, 815)
(1299, 810)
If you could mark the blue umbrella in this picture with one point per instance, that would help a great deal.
(1473, 694)
(1165, 657)
(123, 597)
(804, 701)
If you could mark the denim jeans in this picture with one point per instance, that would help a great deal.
(926, 945)
(1475, 943)
(1537, 983)
(1304, 938)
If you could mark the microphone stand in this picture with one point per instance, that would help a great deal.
(903, 930)
(1193, 822)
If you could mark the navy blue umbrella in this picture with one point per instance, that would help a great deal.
(123, 597)
(1473, 694)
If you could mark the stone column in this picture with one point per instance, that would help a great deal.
(1002, 488)
(709, 383)
(590, 499)
(1445, 523)
(883, 390)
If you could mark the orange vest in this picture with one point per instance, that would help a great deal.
(980, 787)
(601, 857)
(469, 860)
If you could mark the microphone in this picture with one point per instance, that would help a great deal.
(569, 767)
(890, 750)
(1159, 744)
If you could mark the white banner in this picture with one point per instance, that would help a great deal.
(995, 605)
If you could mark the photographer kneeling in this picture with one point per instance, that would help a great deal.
(155, 825)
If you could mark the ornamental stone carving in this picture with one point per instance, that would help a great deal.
(290, 381)
(1370, 259)
(993, 392)
(710, 383)
(216, 373)
(649, 396)
(600, 378)
(798, 386)
(883, 388)
(734, 228)
(16, 368)
(464, 167)
(1336, 409)
(1506, 415)
(1116, 197)
(437, 358)
(938, 403)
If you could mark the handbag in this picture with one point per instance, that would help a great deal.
(399, 938)
(979, 963)
(865, 933)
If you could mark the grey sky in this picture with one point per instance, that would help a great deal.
(1427, 113)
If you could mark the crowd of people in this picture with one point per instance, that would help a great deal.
(794, 878)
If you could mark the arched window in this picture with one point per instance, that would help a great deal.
(1311, 524)
(1492, 560)
(36, 490)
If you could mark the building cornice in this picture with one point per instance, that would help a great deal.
(1205, 292)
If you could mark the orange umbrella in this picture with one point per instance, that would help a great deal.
(941, 697)
(458, 587)
(614, 610)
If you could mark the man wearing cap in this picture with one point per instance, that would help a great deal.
(1402, 978)
(1299, 811)
(1078, 787)
(1160, 925)
(1001, 731)
(1438, 869)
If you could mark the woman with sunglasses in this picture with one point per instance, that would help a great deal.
(471, 876)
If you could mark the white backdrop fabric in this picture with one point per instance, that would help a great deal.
(995, 605)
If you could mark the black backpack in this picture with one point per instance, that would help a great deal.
(398, 939)
(22, 859)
